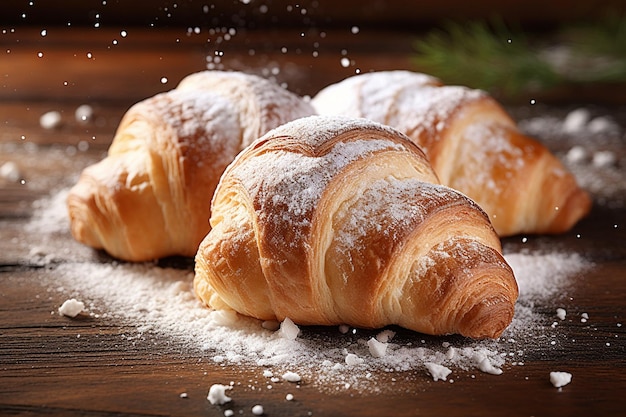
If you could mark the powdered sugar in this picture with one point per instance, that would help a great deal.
(158, 302)
(297, 181)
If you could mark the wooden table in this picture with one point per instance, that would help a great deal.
(52, 365)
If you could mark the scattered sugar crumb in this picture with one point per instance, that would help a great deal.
(560, 379)
(183, 395)
(217, 394)
(437, 371)
(288, 329)
(485, 365)
(290, 376)
(257, 410)
(289, 397)
(344, 328)
(377, 349)
(50, 120)
(352, 359)
(561, 313)
(229, 413)
(71, 307)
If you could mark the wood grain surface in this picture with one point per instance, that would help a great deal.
(53, 365)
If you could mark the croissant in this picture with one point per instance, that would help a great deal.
(473, 145)
(151, 196)
(334, 220)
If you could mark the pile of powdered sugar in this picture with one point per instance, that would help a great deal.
(158, 302)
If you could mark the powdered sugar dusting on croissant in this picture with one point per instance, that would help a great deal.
(336, 220)
(260, 103)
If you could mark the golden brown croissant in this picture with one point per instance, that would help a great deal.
(150, 197)
(473, 145)
(331, 220)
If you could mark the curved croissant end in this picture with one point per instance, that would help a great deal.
(140, 202)
(473, 145)
(337, 220)
(151, 196)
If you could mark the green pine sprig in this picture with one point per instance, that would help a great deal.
(496, 58)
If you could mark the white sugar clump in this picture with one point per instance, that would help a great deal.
(484, 364)
(288, 329)
(217, 394)
(10, 171)
(71, 308)
(561, 313)
(352, 360)
(376, 348)
(257, 410)
(437, 371)
(560, 379)
(50, 120)
(291, 377)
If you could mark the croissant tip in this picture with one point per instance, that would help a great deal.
(487, 320)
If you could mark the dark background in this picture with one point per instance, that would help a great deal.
(261, 14)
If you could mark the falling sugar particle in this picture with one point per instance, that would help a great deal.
(123, 33)
(44, 32)
(345, 62)
(354, 30)
(532, 101)
(163, 80)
